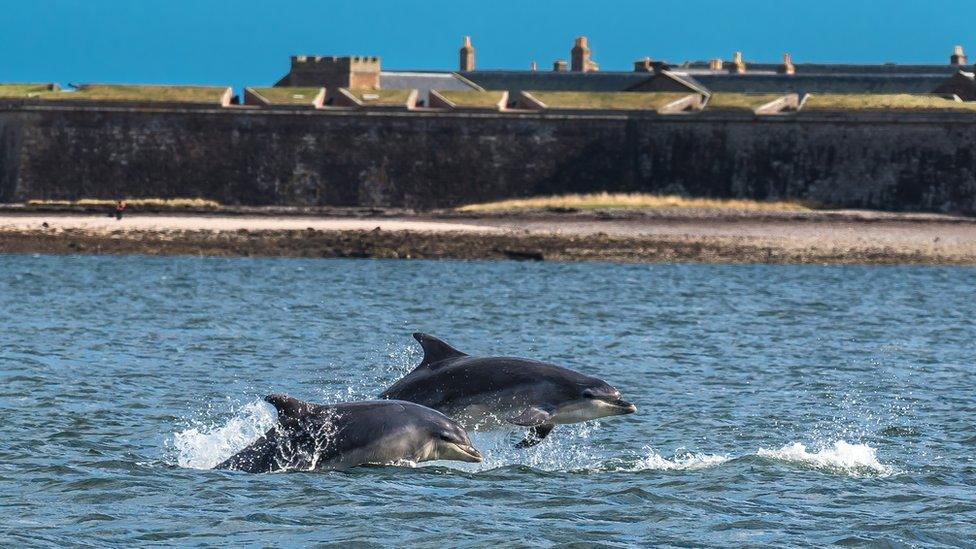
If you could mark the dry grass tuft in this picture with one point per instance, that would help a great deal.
(741, 101)
(382, 97)
(597, 201)
(883, 102)
(141, 92)
(473, 99)
(161, 202)
(607, 100)
(23, 90)
(289, 95)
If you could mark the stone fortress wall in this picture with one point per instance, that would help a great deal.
(442, 159)
(380, 149)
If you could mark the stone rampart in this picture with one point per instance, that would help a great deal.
(915, 162)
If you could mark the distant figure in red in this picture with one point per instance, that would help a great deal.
(119, 208)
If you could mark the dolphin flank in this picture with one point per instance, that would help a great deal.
(336, 436)
(485, 391)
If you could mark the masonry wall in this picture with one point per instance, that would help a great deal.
(425, 160)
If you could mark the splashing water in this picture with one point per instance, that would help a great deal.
(568, 449)
(853, 459)
(203, 447)
(687, 461)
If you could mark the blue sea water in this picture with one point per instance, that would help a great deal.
(778, 405)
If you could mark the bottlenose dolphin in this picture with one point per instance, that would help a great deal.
(336, 436)
(486, 391)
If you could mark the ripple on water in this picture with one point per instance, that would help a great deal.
(778, 405)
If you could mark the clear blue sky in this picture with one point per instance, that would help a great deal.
(247, 42)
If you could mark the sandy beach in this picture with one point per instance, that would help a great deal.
(841, 237)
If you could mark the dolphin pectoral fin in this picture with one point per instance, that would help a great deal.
(530, 417)
(435, 350)
(535, 435)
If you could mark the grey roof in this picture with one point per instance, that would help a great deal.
(821, 83)
(945, 70)
(682, 79)
(423, 82)
(962, 84)
(516, 81)
(759, 78)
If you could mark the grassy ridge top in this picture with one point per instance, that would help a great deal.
(741, 101)
(607, 100)
(289, 95)
(382, 97)
(480, 99)
(23, 90)
(601, 201)
(165, 202)
(883, 102)
(113, 92)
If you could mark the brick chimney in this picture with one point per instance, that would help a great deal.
(736, 65)
(580, 55)
(643, 65)
(957, 57)
(559, 65)
(466, 55)
(715, 64)
(532, 66)
(786, 67)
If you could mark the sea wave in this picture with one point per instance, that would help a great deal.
(688, 461)
(841, 456)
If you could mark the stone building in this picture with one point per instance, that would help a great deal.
(581, 74)
(352, 72)
(580, 55)
(466, 55)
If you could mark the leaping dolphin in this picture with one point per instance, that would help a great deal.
(486, 391)
(337, 436)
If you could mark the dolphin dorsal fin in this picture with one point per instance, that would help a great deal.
(435, 350)
(288, 407)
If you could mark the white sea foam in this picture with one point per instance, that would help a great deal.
(688, 461)
(854, 459)
(202, 447)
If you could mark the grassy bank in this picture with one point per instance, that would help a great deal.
(136, 202)
(631, 201)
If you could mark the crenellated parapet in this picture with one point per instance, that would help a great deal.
(333, 72)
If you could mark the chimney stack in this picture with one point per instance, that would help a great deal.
(736, 65)
(643, 65)
(958, 57)
(559, 65)
(466, 55)
(580, 55)
(715, 64)
(786, 67)
(532, 66)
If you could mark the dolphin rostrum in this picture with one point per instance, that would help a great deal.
(337, 436)
(486, 391)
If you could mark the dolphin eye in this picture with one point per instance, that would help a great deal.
(587, 393)
(446, 437)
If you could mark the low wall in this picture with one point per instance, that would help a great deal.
(427, 159)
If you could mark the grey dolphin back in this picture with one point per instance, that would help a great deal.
(435, 350)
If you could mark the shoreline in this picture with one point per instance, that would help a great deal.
(656, 235)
